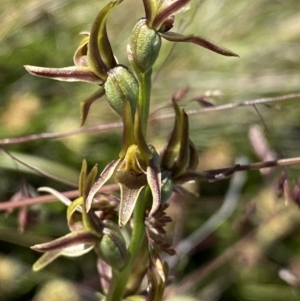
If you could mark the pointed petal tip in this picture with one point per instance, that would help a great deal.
(176, 37)
(36, 248)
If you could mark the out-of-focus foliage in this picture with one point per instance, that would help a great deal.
(241, 265)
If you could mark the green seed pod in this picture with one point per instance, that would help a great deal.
(121, 86)
(112, 247)
(144, 46)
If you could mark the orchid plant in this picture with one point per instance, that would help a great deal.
(146, 177)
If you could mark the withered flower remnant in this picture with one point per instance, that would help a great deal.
(94, 62)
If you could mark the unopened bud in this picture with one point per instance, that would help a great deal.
(144, 46)
(121, 86)
(112, 247)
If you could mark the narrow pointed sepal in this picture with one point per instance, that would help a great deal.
(45, 259)
(183, 159)
(100, 55)
(194, 156)
(176, 37)
(104, 177)
(170, 153)
(76, 242)
(150, 11)
(86, 104)
(74, 215)
(67, 74)
(57, 194)
(154, 181)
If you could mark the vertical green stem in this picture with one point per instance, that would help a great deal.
(119, 281)
(144, 80)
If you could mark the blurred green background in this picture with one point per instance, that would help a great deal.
(254, 253)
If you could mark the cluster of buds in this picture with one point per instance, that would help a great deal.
(92, 218)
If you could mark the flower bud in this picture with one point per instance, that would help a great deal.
(144, 46)
(121, 86)
(112, 247)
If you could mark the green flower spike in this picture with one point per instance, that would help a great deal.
(137, 167)
(146, 37)
(179, 156)
(87, 231)
(94, 62)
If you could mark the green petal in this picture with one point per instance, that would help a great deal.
(176, 37)
(104, 177)
(82, 177)
(90, 180)
(150, 10)
(171, 150)
(100, 55)
(80, 56)
(194, 156)
(183, 159)
(74, 215)
(67, 74)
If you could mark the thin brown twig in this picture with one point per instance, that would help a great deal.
(105, 127)
(213, 174)
(49, 198)
(92, 129)
(227, 106)
(223, 173)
